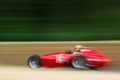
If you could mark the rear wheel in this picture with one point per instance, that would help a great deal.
(79, 62)
(34, 61)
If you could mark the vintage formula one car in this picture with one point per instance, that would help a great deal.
(87, 59)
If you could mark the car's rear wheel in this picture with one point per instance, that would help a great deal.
(79, 62)
(34, 61)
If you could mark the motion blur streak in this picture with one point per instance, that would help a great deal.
(59, 20)
(17, 54)
(45, 74)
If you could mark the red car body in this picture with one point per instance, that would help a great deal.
(93, 58)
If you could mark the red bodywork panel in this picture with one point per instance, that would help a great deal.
(93, 57)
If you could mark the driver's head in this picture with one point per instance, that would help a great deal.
(78, 47)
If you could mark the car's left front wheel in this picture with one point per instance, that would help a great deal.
(34, 61)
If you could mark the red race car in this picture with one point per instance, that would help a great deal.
(87, 59)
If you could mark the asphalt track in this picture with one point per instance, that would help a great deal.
(14, 55)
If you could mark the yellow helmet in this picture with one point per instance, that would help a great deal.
(77, 47)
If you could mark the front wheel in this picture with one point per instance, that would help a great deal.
(34, 61)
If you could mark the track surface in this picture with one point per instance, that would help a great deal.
(60, 74)
(13, 61)
(17, 53)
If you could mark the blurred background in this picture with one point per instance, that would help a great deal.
(59, 20)
(30, 27)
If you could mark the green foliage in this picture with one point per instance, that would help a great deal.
(60, 20)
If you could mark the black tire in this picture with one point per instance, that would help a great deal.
(34, 61)
(79, 62)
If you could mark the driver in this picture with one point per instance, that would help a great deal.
(77, 49)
